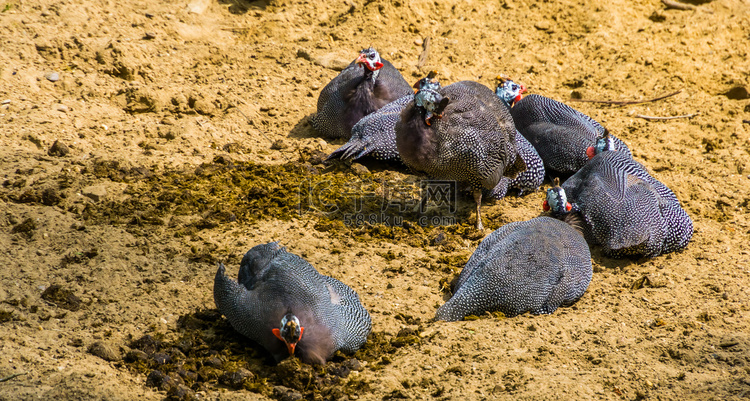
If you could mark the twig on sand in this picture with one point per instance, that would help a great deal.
(425, 52)
(622, 103)
(13, 376)
(677, 6)
(746, 121)
(666, 118)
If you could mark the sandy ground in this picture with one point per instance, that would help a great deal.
(183, 139)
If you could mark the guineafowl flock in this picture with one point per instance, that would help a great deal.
(490, 142)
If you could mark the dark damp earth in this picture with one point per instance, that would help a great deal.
(143, 143)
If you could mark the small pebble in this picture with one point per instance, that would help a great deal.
(53, 77)
(359, 169)
(58, 149)
(214, 362)
(150, 35)
(302, 53)
(543, 25)
(160, 380)
(6, 101)
(63, 108)
(235, 379)
(136, 355)
(105, 351)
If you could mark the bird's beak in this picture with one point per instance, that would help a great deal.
(290, 347)
(521, 92)
(361, 59)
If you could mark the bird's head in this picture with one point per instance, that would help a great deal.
(557, 201)
(431, 102)
(290, 332)
(428, 82)
(370, 59)
(603, 144)
(508, 91)
(261, 255)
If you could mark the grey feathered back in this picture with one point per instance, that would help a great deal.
(526, 181)
(525, 266)
(273, 282)
(474, 141)
(349, 97)
(559, 133)
(625, 209)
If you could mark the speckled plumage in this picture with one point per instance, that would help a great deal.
(272, 282)
(625, 209)
(559, 133)
(354, 93)
(525, 266)
(526, 181)
(374, 135)
(473, 142)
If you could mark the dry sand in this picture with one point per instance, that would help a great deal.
(161, 109)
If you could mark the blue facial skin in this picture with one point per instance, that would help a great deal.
(604, 144)
(557, 200)
(428, 99)
(508, 91)
(429, 84)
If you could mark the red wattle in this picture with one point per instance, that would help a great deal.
(590, 152)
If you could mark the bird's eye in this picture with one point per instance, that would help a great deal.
(515, 87)
(372, 56)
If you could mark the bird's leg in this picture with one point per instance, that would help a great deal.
(478, 200)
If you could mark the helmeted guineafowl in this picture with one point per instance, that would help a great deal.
(374, 135)
(622, 208)
(366, 85)
(461, 132)
(559, 133)
(525, 266)
(281, 302)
